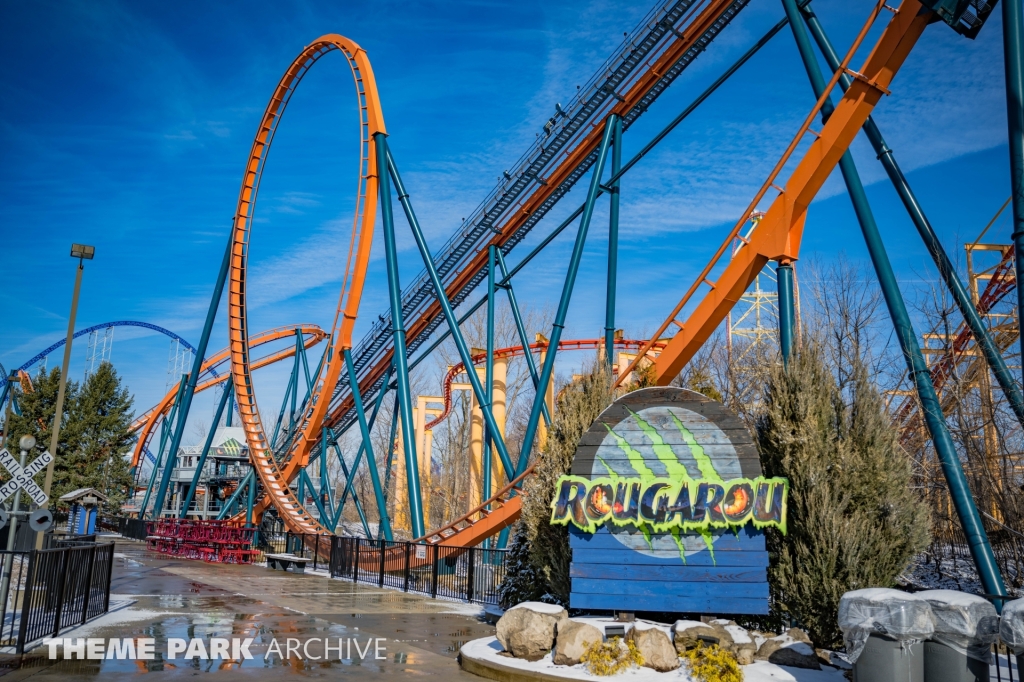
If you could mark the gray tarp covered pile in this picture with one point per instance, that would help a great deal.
(964, 622)
(904, 617)
(1011, 629)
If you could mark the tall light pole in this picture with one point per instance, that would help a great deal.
(83, 253)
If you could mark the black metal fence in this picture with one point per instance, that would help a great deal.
(465, 573)
(134, 529)
(1005, 666)
(51, 590)
(304, 545)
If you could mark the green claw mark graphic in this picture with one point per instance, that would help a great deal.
(709, 541)
(679, 543)
(674, 468)
(635, 458)
(704, 463)
(662, 449)
(611, 472)
(646, 530)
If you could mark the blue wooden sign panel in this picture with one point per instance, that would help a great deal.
(661, 432)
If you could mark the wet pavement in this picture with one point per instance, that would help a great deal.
(382, 634)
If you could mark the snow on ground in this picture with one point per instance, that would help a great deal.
(930, 571)
(488, 649)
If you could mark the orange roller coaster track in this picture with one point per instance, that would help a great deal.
(777, 236)
(275, 476)
(146, 423)
(517, 351)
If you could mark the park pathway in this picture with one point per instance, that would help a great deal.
(177, 598)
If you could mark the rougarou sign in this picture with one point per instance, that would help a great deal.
(666, 505)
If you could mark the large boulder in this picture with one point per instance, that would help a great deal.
(687, 634)
(572, 640)
(791, 649)
(527, 630)
(736, 640)
(655, 646)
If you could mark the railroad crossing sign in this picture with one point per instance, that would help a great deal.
(21, 479)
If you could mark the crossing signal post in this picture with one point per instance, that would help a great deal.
(21, 479)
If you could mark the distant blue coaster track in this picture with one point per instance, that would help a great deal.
(120, 323)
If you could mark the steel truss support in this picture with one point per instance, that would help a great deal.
(304, 477)
(355, 498)
(613, 245)
(787, 310)
(349, 480)
(399, 353)
(521, 330)
(945, 266)
(1013, 60)
(371, 461)
(225, 398)
(981, 550)
(166, 432)
(483, 402)
(563, 305)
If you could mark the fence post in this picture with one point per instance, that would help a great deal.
(88, 585)
(380, 582)
(405, 584)
(62, 587)
(26, 603)
(470, 574)
(355, 563)
(110, 573)
(433, 572)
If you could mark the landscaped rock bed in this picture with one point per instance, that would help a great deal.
(542, 638)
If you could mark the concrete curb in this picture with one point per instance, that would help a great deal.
(493, 670)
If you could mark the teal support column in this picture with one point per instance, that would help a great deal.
(787, 311)
(401, 360)
(391, 448)
(1013, 61)
(960, 492)
(326, 496)
(231, 403)
(295, 384)
(224, 399)
(453, 323)
(956, 287)
(563, 304)
(613, 245)
(169, 426)
(193, 376)
(488, 369)
(250, 500)
(521, 330)
(371, 461)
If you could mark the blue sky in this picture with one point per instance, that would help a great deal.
(127, 125)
